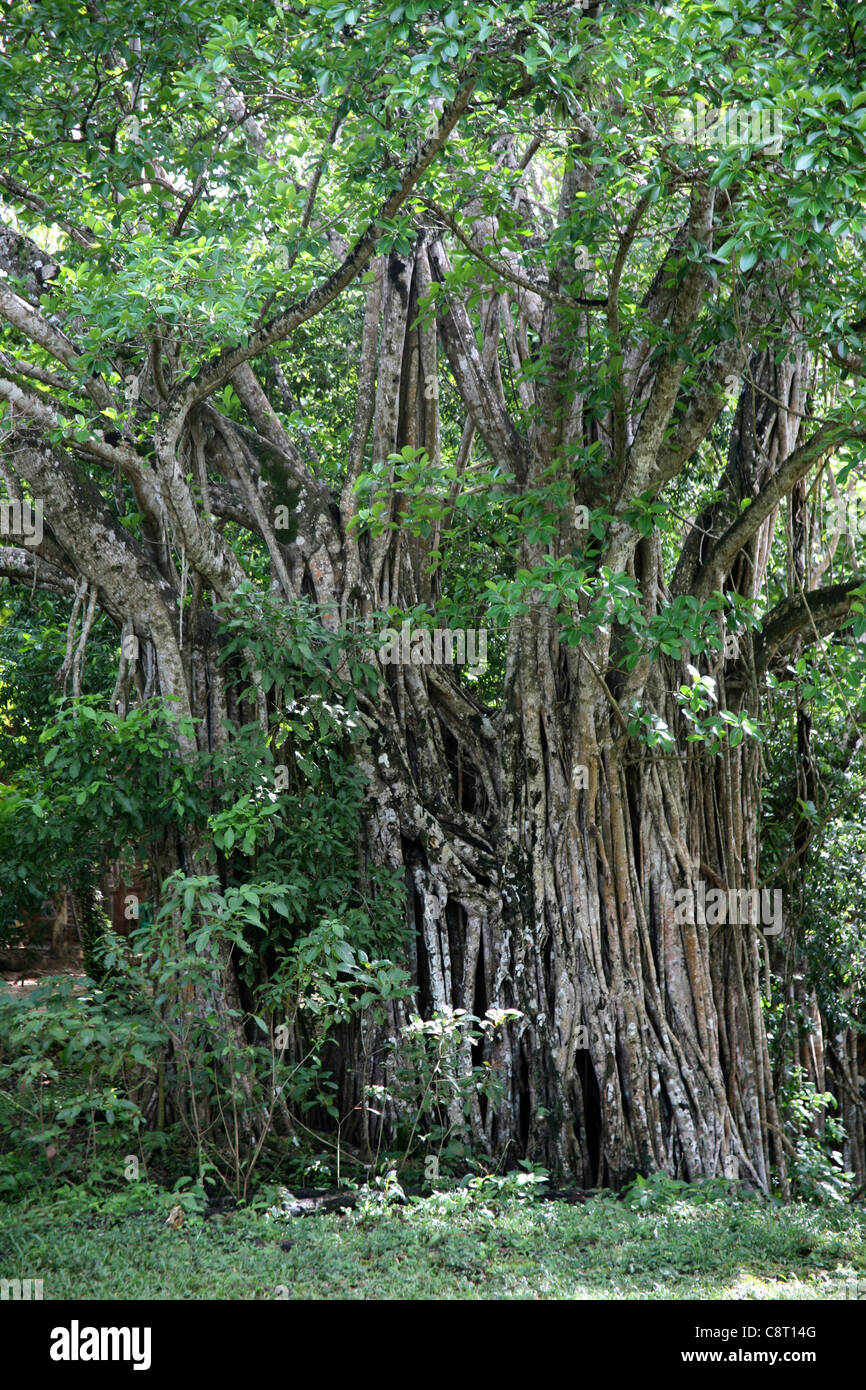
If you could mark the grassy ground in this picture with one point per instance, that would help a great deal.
(458, 1245)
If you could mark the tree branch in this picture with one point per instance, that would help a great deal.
(502, 271)
(487, 409)
(795, 467)
(23, 567)
(21, 258)
(794, 624)
(217, 371)
(38, 330)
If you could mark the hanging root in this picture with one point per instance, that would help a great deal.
(78, 659)
(66, 666)
(121, 685)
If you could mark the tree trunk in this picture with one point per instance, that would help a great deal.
(545, 850)
(546, 847)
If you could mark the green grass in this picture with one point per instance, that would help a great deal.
(447, 1246)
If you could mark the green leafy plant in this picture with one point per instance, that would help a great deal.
(75, 1073)
(816, 1167)
(436, 1089)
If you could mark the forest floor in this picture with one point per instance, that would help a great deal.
(453, 1245)
(23, 968)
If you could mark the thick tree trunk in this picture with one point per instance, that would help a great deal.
(545, 848)
(641, 1045)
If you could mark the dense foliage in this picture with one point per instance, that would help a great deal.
(517, 350)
